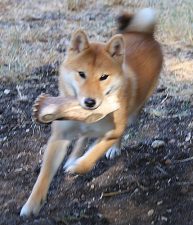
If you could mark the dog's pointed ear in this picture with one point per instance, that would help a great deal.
(115, 47)
(79, 42)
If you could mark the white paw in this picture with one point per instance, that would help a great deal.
(69, 163)
(25, 211)
(30, 209)
(81, 165)
(74, 165)
(71, 168)
(113, 152)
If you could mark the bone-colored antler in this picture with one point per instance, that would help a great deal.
(47, 109)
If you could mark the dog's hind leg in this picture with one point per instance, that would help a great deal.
(76, 152)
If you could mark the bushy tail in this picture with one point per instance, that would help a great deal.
(143, 21)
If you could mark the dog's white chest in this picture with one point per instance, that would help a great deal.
(97, 129)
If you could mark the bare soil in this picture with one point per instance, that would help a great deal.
(143, 186)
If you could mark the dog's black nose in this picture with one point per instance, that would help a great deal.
(90, 102)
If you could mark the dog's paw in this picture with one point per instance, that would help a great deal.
(69, 163)
(28, 210)
(80, 166)
(37, 105)
(31, 208)
(71, 169)
(113, 152)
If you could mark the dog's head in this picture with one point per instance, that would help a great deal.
(93, 70)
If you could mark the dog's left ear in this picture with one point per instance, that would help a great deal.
(79, 42)
(115, 47)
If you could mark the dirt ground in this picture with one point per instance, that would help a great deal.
(146, 184)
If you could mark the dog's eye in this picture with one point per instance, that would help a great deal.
(82, 74)
(104, 77)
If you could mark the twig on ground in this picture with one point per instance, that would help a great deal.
(164, 99)
(185, 183)
(114, 193)
(21, 97)
(161, 170)
(183, 160)
(142, 187)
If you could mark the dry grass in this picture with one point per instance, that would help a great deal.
(34, 33)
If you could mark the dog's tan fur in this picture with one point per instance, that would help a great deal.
(133, 62)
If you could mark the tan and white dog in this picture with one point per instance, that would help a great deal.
(128, 67)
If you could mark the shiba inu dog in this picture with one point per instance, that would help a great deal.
(128, 67)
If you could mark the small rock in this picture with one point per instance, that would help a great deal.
(169, 181)
(160, 202)
(5, 138)
(150, 212)
(169, 210)
(27, 130)
(168, 162)
(92, 186)
(23, 98)
(184, 190)
(18, 170)
(172, 141)
(163, 218)
(157, 144)
(188, 137)
(6, 91)
(83, 197)
(99, 215)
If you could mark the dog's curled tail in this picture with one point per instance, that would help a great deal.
(143, 21)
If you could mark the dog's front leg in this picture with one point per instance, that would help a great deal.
(53, 157)
(89, 159)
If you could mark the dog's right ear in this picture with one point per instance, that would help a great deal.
(79, 42)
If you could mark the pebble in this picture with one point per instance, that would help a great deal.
(163, 218)
(23, 98)
(184, 190)
(169, 210)
(172, 141)
(160, 202)
(168, 162)
(150, 212)
(188, 137)
(6, 91)
(3, 139)
(157, 144)
(18, 170)
(99, 215)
